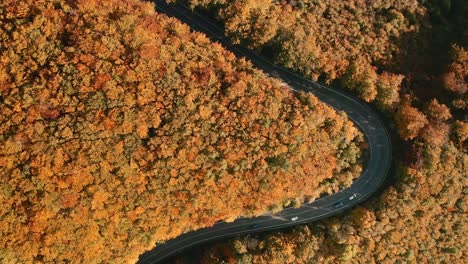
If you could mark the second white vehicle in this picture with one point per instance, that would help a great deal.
(354, 195)
(294, 218)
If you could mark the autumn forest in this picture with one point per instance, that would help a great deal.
(121, 128)
(409, 59)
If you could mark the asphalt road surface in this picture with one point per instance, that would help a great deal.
(373, 176)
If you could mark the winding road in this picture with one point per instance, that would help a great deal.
(374, 175)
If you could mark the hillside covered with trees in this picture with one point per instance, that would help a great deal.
(409, 59)
(120, 128)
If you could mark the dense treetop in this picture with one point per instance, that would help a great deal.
(120, 128)
(326, 38)
(420, 220)
(410, 59)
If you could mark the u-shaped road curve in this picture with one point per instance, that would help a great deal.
(373, 176)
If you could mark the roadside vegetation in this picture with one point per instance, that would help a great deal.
(120, 128)
(409, 59)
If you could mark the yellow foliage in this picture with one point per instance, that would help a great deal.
(119, 128)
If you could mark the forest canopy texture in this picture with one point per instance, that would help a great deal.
(408, 58)
(120, 128)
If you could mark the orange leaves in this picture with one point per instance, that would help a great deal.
(43, 111)
(173, 173)
(108, 124)
(83, 69)
(133, 111)
(192, 155)
(48, 112)
(40, 221)
(22, 139)
(204, 111)
(204, 75)
(101, 80)
(127, 127)
(210, 183)
(142, 130)
(237, 90)
(70, 199)
(87, 59)
(146, 93)
(99, 199)
(410, 121)
(166, 150)
(133, 215)
(233, 157)
(173, 181)
(436, 133)
(226, 180)
(80, 178)
(461, 131)
(388, 87)
(361, 77)
(454, 78)
(439, 112)
(59, 160)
